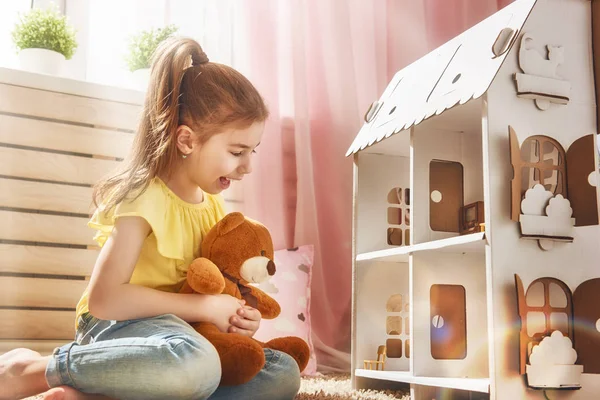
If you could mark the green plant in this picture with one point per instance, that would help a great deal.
(45, 29)
(143, 45)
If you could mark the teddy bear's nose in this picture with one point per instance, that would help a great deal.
(271, 268)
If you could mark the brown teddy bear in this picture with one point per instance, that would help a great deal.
(235, 252)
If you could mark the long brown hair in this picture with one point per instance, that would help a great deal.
(185, 88)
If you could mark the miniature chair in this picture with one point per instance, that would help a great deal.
(381, 353)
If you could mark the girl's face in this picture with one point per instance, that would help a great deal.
(224, 157)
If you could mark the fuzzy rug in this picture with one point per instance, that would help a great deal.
(337, 387)
(334, 387)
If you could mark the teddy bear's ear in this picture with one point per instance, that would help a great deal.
(229, 223)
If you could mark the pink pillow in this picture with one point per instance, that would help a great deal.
(290, 286)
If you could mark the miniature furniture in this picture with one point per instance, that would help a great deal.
(476, 237)
(374, 364)
(57, 138)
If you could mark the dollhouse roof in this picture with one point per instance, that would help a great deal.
(455, 73)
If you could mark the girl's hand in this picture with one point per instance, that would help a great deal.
(246, 322)
(222, 309)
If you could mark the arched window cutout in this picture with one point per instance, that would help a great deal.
(394, 303)
(541, 159)
(395, 196)
(535, 295)
(398, 217)
(559, 322)
(542, 319)
(558, 298)
(394, 348)
(393, 325)
(394, 216)
(394, 236)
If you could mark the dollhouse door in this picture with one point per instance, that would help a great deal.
(446, 195)
(582, 195)
(448, 323)
(586, 309)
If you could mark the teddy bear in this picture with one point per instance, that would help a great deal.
(235, 252)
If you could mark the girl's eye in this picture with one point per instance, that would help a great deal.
(241, 153)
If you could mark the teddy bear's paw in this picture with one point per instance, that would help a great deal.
(294, 346)
(240, 362)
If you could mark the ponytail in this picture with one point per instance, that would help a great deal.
(185, 88)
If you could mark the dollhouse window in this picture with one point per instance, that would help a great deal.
(543, 162)
(548, 308)
(397, 327)
(394, 303)
(398, 217)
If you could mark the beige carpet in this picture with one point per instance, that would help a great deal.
(337, 387)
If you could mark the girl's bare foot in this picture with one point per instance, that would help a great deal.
(22, 374)
(67, 393)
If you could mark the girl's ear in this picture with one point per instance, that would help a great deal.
(184, 138)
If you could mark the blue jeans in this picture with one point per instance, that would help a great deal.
(159, 358)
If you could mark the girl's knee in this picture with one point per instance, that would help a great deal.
(285, 374)
(197, 369)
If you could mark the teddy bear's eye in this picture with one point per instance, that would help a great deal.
(262, 253)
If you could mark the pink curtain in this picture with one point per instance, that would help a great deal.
(319, 64)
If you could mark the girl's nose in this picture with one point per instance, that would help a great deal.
(245, 167)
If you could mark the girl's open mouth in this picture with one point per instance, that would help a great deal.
(224, 182)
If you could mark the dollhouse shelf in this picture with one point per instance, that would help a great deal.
(474, 385)
(472, 243)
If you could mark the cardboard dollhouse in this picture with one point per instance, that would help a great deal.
(476, 233)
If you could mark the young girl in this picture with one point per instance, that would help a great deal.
(200, 125)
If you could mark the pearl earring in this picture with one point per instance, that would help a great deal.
(184, 156)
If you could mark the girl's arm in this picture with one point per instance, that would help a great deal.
(111, 296)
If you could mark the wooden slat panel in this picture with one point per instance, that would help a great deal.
(30, 324)
(17, 193)
(53, 167)
(64, 137)
(16, 258)
(40, 292)
(45, 228)
(44, 347)
(65, 107)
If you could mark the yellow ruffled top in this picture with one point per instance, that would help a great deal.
(178, 228)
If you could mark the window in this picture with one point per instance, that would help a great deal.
(397, 327)
(9, 16)
(543, 162)
(105, 26)
(398, 217)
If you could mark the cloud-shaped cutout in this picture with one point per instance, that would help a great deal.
(284, 325)
(268, 287)
(555, 349)
(288, 276)
(559, 207)
(535, 201)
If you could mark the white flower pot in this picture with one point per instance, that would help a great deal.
(42, 61)
(140, 78)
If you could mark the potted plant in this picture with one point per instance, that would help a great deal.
(44, 40)
(141, 48)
